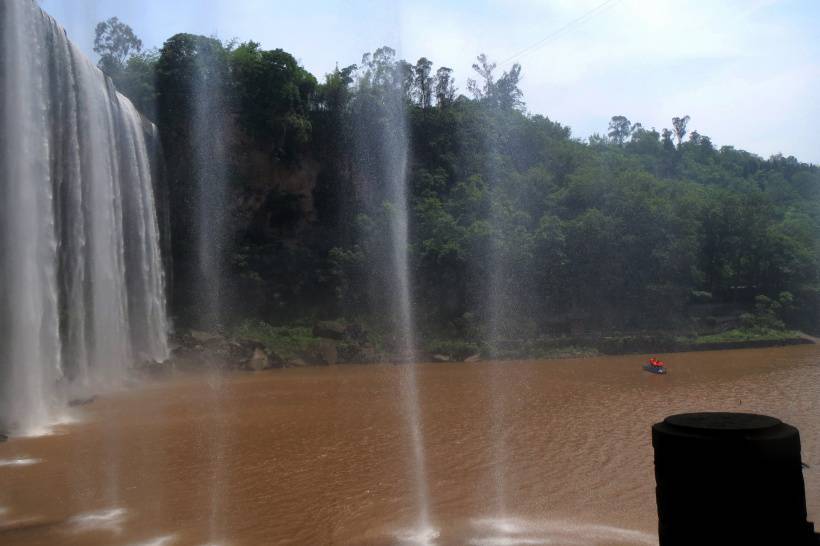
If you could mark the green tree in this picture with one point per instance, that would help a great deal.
(424, 82)
(274, 96)
(503, 93)
(508, 95)
(483, 89)
(115, 42)
(138, 81)
(619, 129)
(679, 125)
(445, 88)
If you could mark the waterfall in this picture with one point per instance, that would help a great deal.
(82, 294)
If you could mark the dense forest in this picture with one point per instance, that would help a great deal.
(512, 219)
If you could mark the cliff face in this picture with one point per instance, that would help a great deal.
(267, 228)
(274, 201)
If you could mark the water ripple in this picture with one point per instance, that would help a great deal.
(21, 461)
(100, 520)
(515, 532)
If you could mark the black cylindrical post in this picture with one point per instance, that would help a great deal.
(729, 478)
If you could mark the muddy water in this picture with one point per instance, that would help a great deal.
(318, 456)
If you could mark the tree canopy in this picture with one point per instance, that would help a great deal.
(623, 231)
(115, 42)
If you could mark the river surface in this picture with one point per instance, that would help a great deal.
(320, 456)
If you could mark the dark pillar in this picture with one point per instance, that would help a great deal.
(729, 479)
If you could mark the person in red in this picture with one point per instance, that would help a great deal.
(655, 362)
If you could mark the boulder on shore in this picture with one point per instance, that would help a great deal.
(205, 337)
(258, 361)
(368, 354)
(155, 367)
(356, 332)
(473, 358)
(440, 358)
(327, 352)
(296, 363)
(329, 329)
(323, 352)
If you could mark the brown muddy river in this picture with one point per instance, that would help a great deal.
(556, 452)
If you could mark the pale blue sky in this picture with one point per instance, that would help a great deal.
(746, 71)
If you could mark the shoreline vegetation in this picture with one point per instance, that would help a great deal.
(260, 346)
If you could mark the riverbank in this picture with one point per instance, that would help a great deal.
(259, 346)
(731, 339)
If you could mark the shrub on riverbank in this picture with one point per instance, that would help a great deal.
(337, 342)
(454, 349)
(288, 342)
(743, 335)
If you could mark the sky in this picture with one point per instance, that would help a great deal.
(746, 71)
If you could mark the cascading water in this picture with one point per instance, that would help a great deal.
(507, 293)
(499, 402)
(80, 261)
(383, 149)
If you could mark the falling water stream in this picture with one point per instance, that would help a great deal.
(209, 150)
(397, 148)
(80, 263)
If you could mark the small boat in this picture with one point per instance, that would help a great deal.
(659, 370)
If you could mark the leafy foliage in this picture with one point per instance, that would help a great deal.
(115, 42)
(627, 231)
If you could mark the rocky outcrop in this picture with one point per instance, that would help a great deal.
(328, 352)
(330, 330)
(258, 361)
(344, 342)
(204, 337)
(334, 342)
(366, 353)
(154, 367)
(203, 349)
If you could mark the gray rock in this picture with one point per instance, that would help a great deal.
(369, 354)
(258, 360)
(356, 332)
(205, 337)
(329, 329)
(473, 358)
(328, 352)
(440, 358)
(156, 367)
(242, 350)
